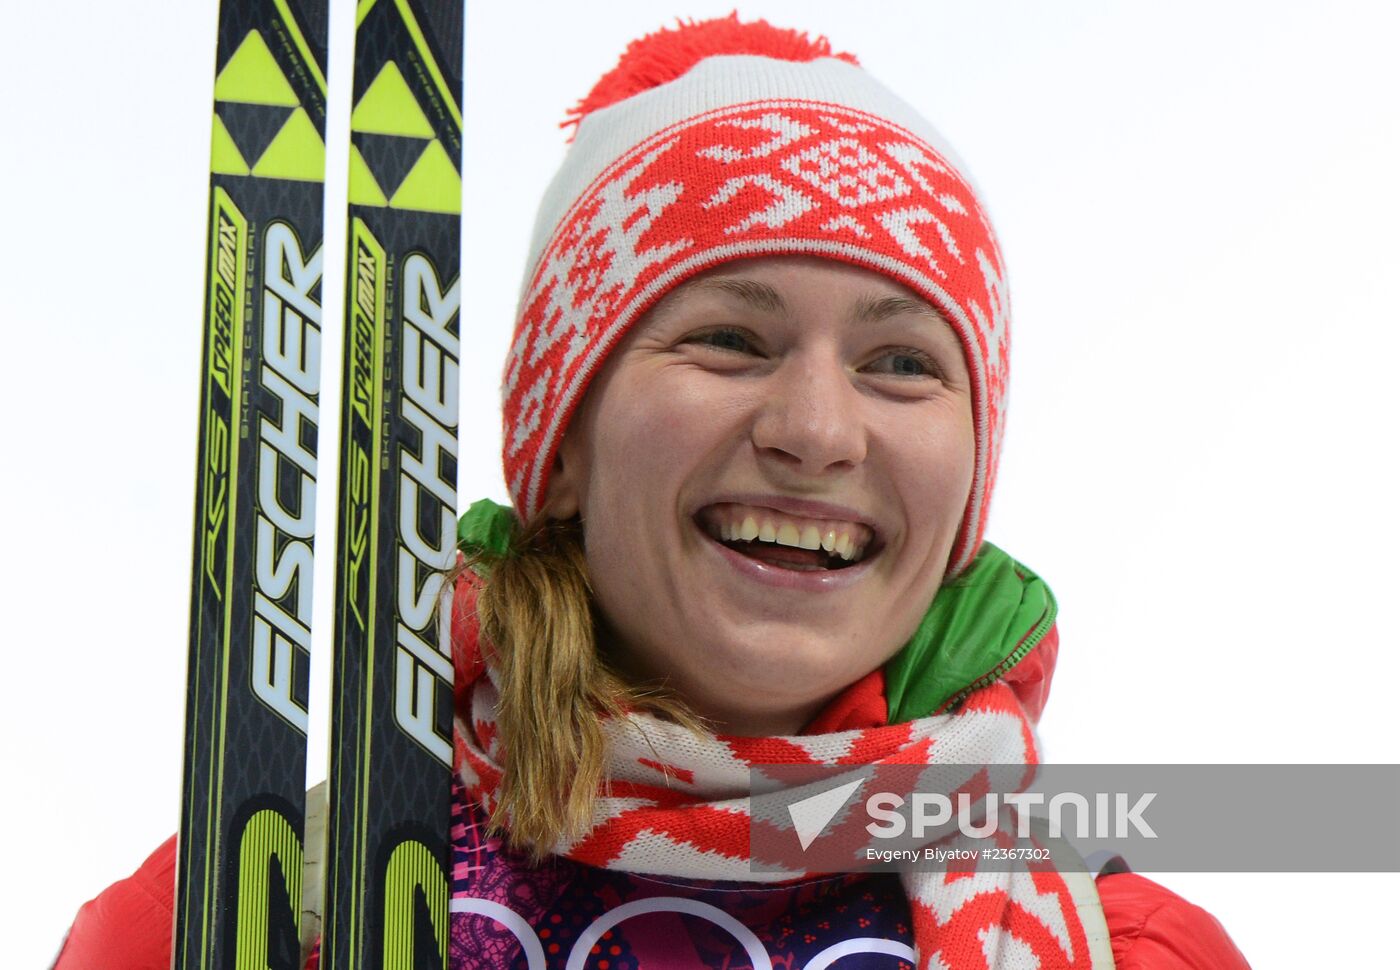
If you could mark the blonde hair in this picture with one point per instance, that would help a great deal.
(538, 624)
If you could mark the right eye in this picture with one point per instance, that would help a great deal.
(725, 338)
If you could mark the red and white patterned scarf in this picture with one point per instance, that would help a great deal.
(678, 805)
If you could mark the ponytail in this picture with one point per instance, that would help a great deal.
(539, 627)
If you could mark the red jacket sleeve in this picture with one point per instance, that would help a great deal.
(128, 926)
(1152, 928)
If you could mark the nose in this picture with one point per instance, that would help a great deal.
(810, 419)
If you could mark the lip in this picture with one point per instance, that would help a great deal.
(812, 581)
(799, 507)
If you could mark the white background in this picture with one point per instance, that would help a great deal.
(1198, 204)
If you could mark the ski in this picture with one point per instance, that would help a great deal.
(391, 730)
(239, 875)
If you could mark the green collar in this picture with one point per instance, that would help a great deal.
(979, 626)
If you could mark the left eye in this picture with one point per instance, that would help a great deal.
(903, 363)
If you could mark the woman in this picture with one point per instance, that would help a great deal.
(752, 420)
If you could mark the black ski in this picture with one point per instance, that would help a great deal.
(391, 732)
(238, 897)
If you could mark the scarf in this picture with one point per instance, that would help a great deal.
(966, 690)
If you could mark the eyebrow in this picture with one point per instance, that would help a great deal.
(758, 295)
(763, 297)
(873, 311)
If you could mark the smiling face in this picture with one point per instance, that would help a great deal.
(771, 470)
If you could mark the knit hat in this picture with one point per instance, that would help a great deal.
(721, 140)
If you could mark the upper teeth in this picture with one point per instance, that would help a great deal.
(845, 539)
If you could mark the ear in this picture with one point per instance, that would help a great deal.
(562, 493)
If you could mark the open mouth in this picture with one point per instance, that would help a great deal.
(786, 541)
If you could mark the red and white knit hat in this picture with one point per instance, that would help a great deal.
(718, 141)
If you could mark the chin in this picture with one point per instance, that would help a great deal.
(792, 668)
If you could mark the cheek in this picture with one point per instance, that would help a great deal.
(649, 437)
(935, 468)
(630, 452)
(649, 432)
